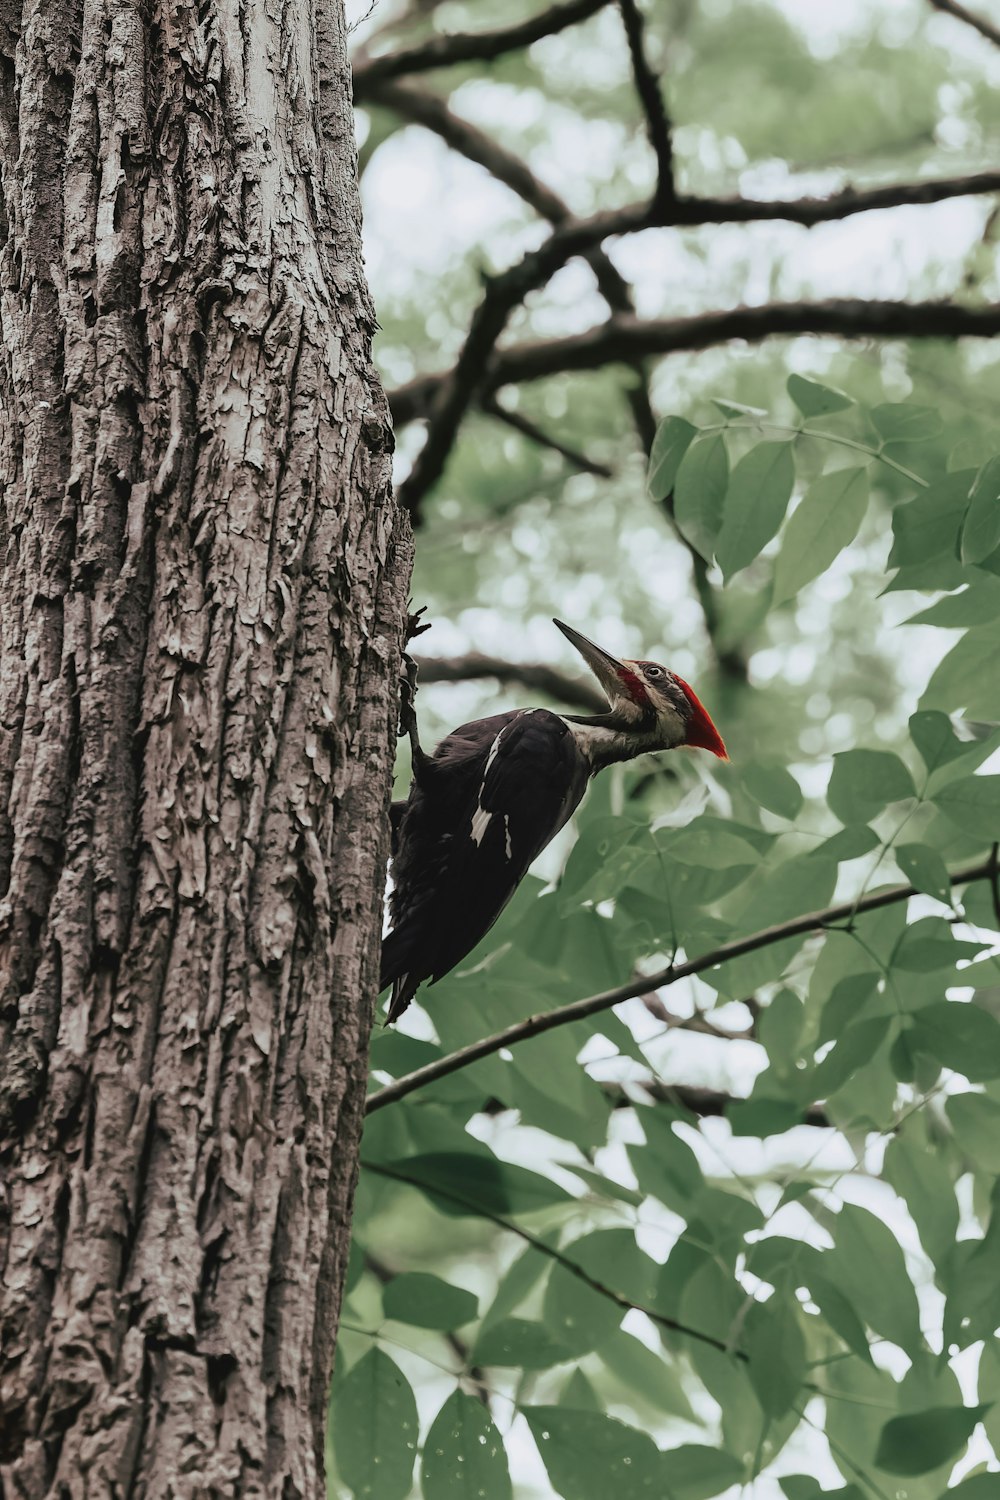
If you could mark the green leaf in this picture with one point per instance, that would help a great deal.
(855, 1047)
(837, 1311)
(776, 1349)
(825, 522)
(756, 501)
(673, 439)
(925, 530)
(700, 492)
(976, 1123)
(864, 782)
(589, 1456)
(959, 1035)
(982, 1486)
(710, 844)
(852, 842)
(773, 787)
(470, 1182)
(924, 1440)
(921, 1179)
(654, 1378)
(574, 1313)
(867, 1265)
(972, 804)
(934, 736)
(814, 399)
(981, 527)
(975, 605)
(738, 408)
(903, 422)
(425, 1301)
(696, 1472)
(966, 678)
(924, 868)
(579, 1394)
(374, 1427)
(519, 1341)
(464, 1457)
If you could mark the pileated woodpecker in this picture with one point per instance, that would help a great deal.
(496, 791)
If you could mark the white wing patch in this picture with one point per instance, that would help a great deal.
(508, 850)
(481, 818)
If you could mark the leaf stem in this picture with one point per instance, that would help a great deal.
(829, 437)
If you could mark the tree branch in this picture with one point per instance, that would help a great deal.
(626, 339)
(535, 676)
(648, 88)
(579, 1010)
(705, 1103)
(520, 423)
(481, 46)
(426, 109)
(450, 396)
(978, 23)
(572, 1266)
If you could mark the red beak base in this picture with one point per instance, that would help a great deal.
(702, 733)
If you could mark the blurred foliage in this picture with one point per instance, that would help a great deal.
(566, 1280)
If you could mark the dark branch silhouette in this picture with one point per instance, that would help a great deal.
(535, 676)
(626, 339)
(480, 46)
(978, 23)
(648, 88)
(531, 430)
(578, 1010)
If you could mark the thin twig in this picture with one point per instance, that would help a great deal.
(579, 1010)
(520, 423)
(648, 88)
(626, 339)
(479, 46)
(978, 23)
(572, 1266)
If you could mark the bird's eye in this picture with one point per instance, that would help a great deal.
(654, 671)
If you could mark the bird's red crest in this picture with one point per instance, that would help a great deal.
(701, 731)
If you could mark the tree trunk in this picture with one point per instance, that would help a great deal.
(204, 581)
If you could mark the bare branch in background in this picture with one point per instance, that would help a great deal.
(450, 396)
(491, 406)
(535, 676)
(705, 1103)
(481, 46)
(648, 88)
(978, 23)
(424, 108)
(627, 338)
(578, 1010)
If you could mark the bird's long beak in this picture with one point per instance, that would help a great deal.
(611, 673)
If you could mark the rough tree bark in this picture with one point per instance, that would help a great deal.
(204, 579)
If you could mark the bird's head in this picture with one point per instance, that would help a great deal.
(644, 695)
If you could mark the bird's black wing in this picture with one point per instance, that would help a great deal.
(468, 852)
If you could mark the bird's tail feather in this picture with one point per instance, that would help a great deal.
(396, 954)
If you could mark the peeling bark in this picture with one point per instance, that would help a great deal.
(203, 593)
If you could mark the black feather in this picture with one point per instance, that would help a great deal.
(492, 796)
